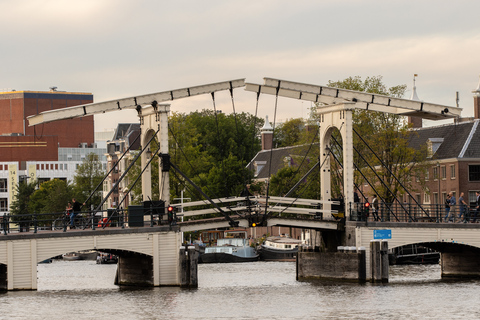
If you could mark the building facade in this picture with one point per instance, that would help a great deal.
(44, 152)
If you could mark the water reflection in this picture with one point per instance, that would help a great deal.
(245, 290)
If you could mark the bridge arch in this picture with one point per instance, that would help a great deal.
(341, 118)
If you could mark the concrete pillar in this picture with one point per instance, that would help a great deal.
(134, 269)
(460, 264)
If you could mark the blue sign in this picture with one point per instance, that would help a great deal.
(382, 234)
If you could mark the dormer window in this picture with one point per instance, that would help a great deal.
(433, 144)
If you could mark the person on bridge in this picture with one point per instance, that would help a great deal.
(447, 208)
(477, 206)
(462, 206)
(76, 208)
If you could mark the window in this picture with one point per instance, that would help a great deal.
(3, 204)
(443, 170)
(427, 175)
(435, 173)
(452, 171)
(472, 197)
(3, 185)
(426, 197)
(435, 197)
(474, 172)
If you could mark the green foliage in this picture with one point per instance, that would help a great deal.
(295, 132)
(87, 177)
(51, 197)
(20, 204)
(213, 151)
(388, 135)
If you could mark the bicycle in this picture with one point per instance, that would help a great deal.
(79, 222)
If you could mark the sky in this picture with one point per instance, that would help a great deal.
(119, 48)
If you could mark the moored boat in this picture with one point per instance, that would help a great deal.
(234, 247)
(80, 255)
(279, 248)
(106, 258)
(413, 254)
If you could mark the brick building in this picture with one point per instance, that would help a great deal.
(43, 152)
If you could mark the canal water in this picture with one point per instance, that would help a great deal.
(258, 290)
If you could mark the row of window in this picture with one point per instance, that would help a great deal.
(470, 198)
(473, 173)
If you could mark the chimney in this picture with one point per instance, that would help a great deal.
(267, 135)
(476, 102)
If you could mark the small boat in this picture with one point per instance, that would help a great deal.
(413, 254)
(80, 255)
(234, 247)
(279, 248)
(107, 258)
(72, 256)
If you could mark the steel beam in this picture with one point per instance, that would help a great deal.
(131, 102)
(369, 101)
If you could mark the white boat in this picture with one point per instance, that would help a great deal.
(234, 247)
(279, 248)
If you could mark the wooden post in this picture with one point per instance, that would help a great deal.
(375, 261)
(385, 265)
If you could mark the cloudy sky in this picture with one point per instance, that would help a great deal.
(117, 49)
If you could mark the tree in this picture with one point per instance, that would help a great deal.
(388, 135)
(87, 177)
(295, 132)
(213, 150)
(51, 197)
(20, 203)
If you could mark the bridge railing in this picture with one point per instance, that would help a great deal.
(61, 221)
(408, 212)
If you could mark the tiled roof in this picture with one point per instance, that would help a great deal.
(278, 156)
(455, 137)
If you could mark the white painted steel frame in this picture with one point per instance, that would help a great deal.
(131, 102)
(363, 100)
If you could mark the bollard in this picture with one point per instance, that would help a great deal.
(375, 261)
(384, 257)
(362, 264)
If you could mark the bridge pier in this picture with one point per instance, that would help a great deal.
(462, 264)
(134, 269)
(147, 256)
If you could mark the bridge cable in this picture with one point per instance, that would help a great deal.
(126, 171)
(381, 181)
(301, 163)
(189, 163)
(271, 150)
(222, 149)
(113, 167)
(366, 179)
(306, 186)
(232, 222)
(105, 224)
(394, 176)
